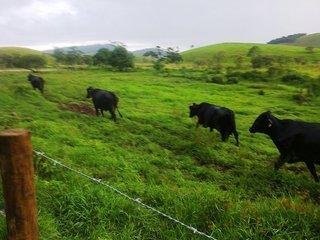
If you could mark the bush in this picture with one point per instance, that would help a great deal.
(218, 79)
(295, 78)
(301, 97)
(232, 80)
(275, 71)
(255, 76)
(158, 65)
(262, 61)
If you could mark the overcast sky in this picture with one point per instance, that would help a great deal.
(147, 23)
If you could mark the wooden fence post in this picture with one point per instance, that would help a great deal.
(18, 185)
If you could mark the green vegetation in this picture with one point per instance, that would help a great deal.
(14, 57)
(155, 153)
(310, 40)
(234, 50)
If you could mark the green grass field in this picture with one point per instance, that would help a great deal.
(234, 49)
(155, 153)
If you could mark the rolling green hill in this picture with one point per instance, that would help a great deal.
(232, 50)
(20, 51)
(312, 40)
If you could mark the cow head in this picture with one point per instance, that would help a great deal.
(89, 92)
(263, 123)
(194, 109)
(30, 76)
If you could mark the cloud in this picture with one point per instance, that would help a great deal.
(48, 9)
(152, 22)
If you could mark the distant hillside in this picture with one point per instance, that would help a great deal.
(87, 49)
(299, 39)
(140, 52)
(232, 50)
(311, 40)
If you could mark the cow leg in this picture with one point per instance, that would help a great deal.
(211, 129)
(280, 162)
(236, 136)
(312, 170)
(102, 112)
(97, 111)
(113, 115)
(198, 124)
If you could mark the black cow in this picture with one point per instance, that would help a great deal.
(104, 100)
(36, 82)
(296, 141)
(215, 117)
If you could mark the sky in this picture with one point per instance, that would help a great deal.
(147, 23)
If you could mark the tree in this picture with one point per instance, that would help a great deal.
(151, 54)
(158, 65)
(218, 59)
(254, 51)
(121, 59)
(102, 57)
(87, 59)
(73, 56)
(59, 55)
(173, 56)
(31, 61)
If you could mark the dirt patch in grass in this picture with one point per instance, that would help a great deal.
(79, 108)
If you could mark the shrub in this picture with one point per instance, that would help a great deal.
(255, 75)
(275, 71)
(262, 61)
(301, 97)
(218, 79)
(295, 78)
(158, 65)
(232, 80)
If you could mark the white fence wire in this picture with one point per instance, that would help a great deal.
(135, 200)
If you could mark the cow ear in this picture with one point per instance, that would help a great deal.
(193, 104)
(269, 112)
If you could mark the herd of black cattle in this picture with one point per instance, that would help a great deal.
(297, 141)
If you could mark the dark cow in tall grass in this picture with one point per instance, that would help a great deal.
(36, 82)
(296, 141)
(215, 117)
(104, 101)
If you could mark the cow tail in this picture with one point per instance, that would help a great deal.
(119, 112)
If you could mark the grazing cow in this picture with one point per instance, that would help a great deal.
(215, 117)
(104, 100)
(296, 141)
(36, 82)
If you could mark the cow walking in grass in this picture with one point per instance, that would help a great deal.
(104, 101)
(296, 141)
(214, 117)
(36, 82)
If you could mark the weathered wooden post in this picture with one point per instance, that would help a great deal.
(18, 184)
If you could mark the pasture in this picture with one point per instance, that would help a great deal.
(155, 153)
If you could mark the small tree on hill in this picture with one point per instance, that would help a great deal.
(310, 49)
(254, 52)
(173, 56)
(102, 57)
(73, 56)
(121, 59)
(30, 61)
(59, 55)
